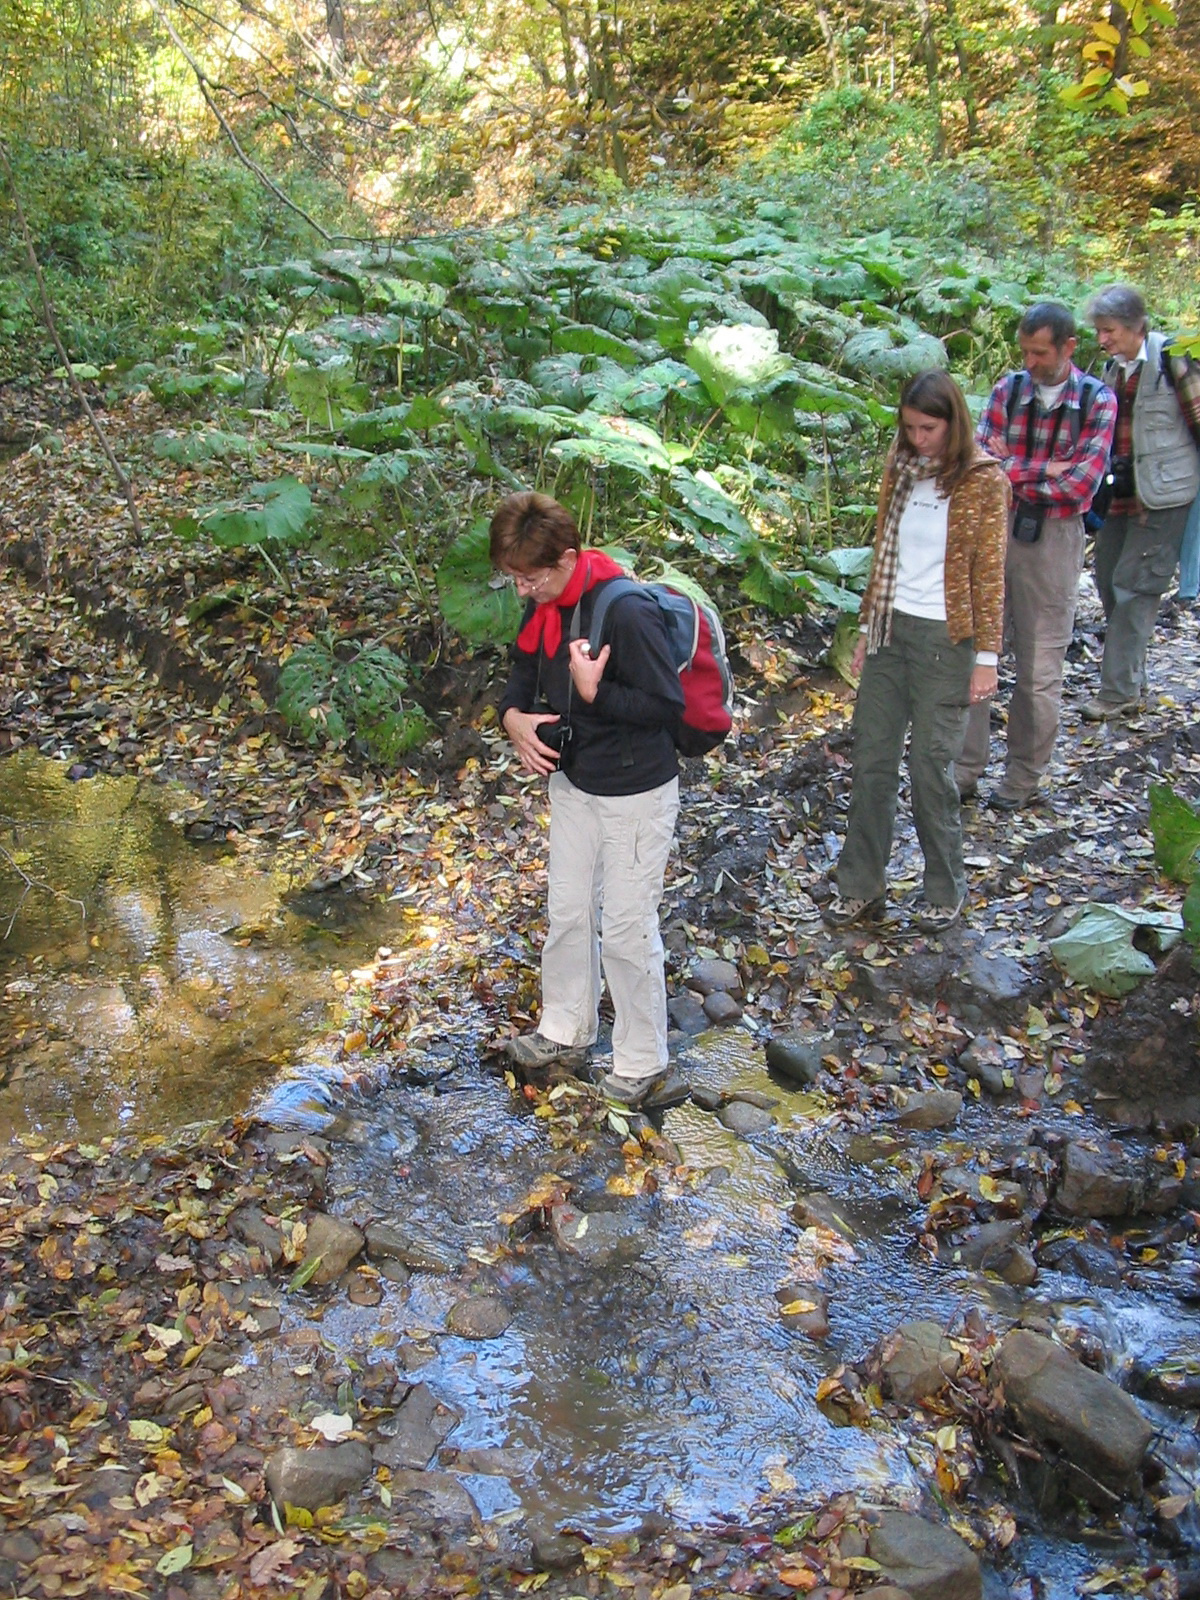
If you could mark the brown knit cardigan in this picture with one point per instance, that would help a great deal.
(976, 543)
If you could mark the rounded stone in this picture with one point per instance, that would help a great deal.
(797, 1056)
(720, 1007)
(479, 1316)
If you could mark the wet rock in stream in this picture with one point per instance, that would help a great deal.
(1060, 1402)
(420, 1426)
(917, 1361)
(479, 1316)
(797, 1057)
(413, 1246)
(1099, 1179)
(926, 1560)
(332, 1245)
(929, 1108)
(596, 1238)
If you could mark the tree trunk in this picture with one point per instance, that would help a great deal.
(335, 27)
(570, 82)
(830, 38)
(928, 51)
(964, 71)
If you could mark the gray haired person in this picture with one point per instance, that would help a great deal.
(1156, 477)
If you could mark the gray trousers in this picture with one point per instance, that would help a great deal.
(608, 856)
(1136, 556)
(921, 679)
(1041, 588)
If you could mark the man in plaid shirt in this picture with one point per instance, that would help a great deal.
(1156, 476)
(1050, 427)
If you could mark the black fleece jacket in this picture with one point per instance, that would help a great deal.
(622, 743)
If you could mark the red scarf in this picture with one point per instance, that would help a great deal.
(545, 625)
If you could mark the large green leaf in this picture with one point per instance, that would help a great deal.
(1176, 829)
(703, 495)
(744, 370)
(664, 383)
(884, 353)
(851, 563)
(410, 297)
(829, 594)
(209, 444)
(328, 394)
(473, 601)
(611, 451)
(277, 512)
(583, 339)
(766, 583)
(1098, 952)
(737, 358)
(379, 427)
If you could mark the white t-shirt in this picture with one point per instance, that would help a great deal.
(921, 568)
(1050, 394)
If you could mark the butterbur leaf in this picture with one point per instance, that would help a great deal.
(1098, 951)
(470, 604)
(1176, 829)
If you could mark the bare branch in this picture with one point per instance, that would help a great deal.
(205, 84)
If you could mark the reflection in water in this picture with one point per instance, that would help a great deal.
(163, 982)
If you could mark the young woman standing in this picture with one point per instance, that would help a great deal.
(930, 633)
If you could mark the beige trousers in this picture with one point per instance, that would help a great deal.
(608, 855)
(1041, 588)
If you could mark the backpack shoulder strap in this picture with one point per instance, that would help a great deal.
(1088, 390)
(1010, 399)
(614, 589)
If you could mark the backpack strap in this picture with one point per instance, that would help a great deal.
(1088, 390)
(612, 590)
(1010, 401)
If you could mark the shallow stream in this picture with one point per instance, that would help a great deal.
(188, 982)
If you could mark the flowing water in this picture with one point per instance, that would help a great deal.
(163, 982)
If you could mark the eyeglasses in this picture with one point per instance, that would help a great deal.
(522, 581)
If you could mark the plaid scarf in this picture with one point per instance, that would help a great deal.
(906, 470)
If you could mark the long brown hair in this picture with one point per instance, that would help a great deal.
(935, 394)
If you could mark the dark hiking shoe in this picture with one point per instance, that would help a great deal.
(653, 1093)
(533, 1051)
(1100, 710)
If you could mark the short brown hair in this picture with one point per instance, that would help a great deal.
(530, 531)
(935, 394)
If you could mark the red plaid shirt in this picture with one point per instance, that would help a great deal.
(1023, 456)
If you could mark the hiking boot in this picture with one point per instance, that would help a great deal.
(999, 800)
(1101, 710)
(533, 1051)
(655, 1091)
(936, 919)
(844, 913)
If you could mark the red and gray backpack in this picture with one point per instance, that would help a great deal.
(697, 642)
